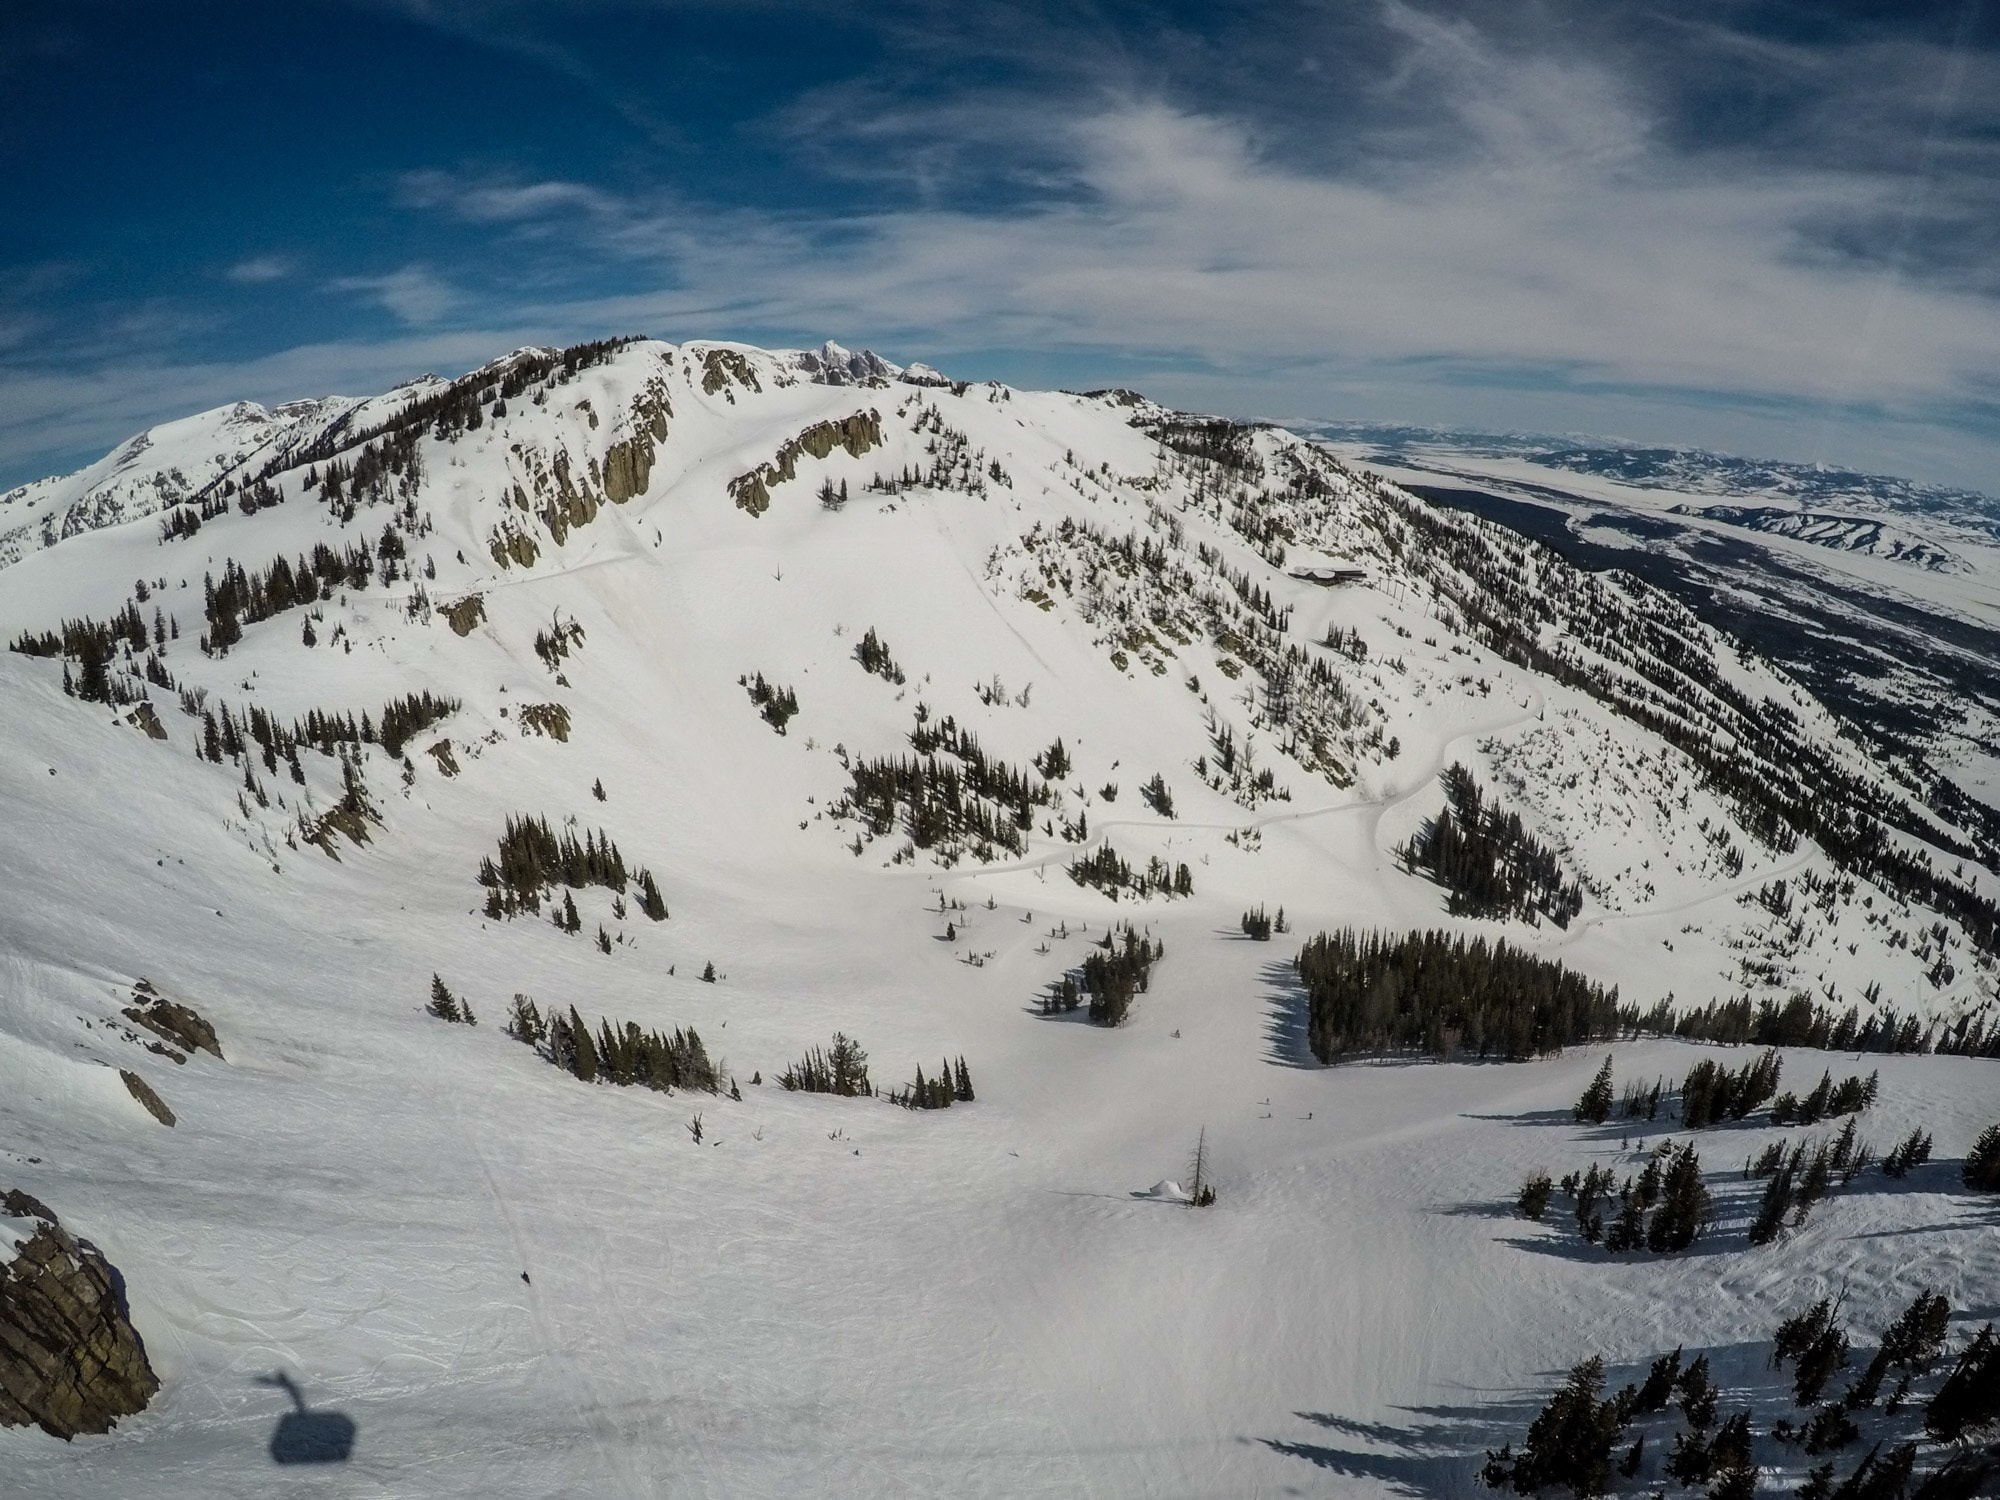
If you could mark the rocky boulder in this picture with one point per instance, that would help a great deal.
(70, 1359)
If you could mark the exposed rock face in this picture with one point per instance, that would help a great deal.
(180, 1024)
(466, 616)
(721, 368)
(551, 719)
(857, 434)
(628, 466)
(151, 1102)
(70, 1359)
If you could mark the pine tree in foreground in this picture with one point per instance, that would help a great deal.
(1981, 1172)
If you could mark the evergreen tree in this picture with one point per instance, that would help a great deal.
(1684, 1205)
(1595, 1105)
(1568, 1444)
(1969, 1399)
(1982, 1164)
(443, 1004)
(1533, 1199)
(584, 1058)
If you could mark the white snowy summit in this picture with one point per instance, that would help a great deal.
(486, 862)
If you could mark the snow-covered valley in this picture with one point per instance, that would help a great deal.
(638, 583)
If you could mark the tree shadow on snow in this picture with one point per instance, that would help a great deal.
(1286, 1024)
(305, 1436)
(1437, 1453)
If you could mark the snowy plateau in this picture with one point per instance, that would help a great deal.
(756, 698)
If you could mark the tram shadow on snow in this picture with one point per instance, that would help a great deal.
(305, 1436)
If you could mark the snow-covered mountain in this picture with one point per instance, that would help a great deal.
(773, 695)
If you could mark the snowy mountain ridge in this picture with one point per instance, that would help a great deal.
(762, 696)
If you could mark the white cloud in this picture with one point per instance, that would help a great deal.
(415, 294)
(259, 269)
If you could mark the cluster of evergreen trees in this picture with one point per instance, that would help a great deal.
(534, 859)
(1827, 1100)
(1107, 871)
(1797, 1179)
(839, 1068)
(950, 798)
(628, 1055)
(1908, 1154)
(448, 1007)
(411, 715)
(240, 597)
(1440, 993)
(1116, 970)
(1664, 1208)
(1260, 924)
(874, 657)
(1712, 1093)
(1800, 1021)
(185, 519)
(554, 642)
(775, 705)
(1577, 1442)
(952, 1084)
(96, 647)
(1488, 862)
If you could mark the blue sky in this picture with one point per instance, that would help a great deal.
(1765, 226)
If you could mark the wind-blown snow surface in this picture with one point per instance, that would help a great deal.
(516, 1284)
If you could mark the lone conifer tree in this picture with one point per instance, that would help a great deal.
(443, 1004)
(1201, 1192)
(1595, 1105)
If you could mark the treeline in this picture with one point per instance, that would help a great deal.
(1712, 1093)
(626, 1055)
(1801, 1021)
(457, 407)
(1440, 994)
(1924, 1411)
(1488, 862)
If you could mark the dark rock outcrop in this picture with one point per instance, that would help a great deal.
(180, 1024)
(70, 1359)
(151, 1102)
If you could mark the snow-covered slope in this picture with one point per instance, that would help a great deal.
(643, 575)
